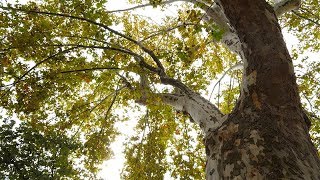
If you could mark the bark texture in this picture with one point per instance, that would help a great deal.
(266, 136)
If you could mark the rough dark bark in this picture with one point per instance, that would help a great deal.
(266, 136)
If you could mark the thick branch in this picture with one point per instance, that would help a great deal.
(176, 83)
(215, 14)
(204, 113)
(230, 38)
(285, 6)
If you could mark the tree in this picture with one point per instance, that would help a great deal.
(69, 65)
(28, 154)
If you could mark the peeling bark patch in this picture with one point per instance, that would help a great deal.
(227, 133)
(255, 136)
(213, 119)
(255, 175)
(212, 171)
(255, 100)
(252, 78)
(237, 142)
(255, 151)
(209, 142)
(228, 170)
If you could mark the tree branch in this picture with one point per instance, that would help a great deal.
(94, 107)
(137, 57)
(203, 112)
(176, 83)
(285, 6)
(39, 63)
(166, 30)
(109, 110)
(234, 67)
(149, 4)
(310, 12)
(306, 18)
(126, 82)
(90, 69)
(83, 37)
(215, 13)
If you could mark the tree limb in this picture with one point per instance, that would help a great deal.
(203, 112)
(285, 6)
(104, 125)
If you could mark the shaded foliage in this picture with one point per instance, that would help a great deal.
(27, 153)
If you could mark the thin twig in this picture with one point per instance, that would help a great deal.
(39, 63)
(166, 30)
(206, 11)
(32, 68)
(236, 66)
(149, 4)
(138, 57)
(310, 104)
(308, 11)
(90, 69)
(93, 108)
(109, 108)
(306, 18)
(126, 82)
(146, 118)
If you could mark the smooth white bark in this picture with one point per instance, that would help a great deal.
(201, 110)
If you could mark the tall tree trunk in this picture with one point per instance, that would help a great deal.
(266, 136)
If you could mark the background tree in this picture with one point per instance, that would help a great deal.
(26, 153)
(67, 66)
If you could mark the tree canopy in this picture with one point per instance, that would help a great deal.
(67, 67)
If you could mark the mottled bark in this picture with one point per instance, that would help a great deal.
(266, 136)
(204, 113)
